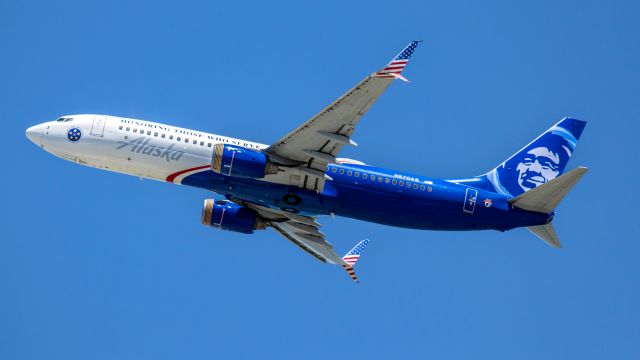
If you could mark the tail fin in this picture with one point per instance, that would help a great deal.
(545, 198)
(541, 161)
(352, 257)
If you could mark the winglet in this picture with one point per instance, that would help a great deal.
(352, 257)
(394, 67)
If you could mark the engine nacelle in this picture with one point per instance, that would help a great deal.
(227, 215)
(238, 161)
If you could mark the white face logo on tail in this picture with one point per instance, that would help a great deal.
(538, 166)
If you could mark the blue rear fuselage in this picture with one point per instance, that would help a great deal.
(382, 196)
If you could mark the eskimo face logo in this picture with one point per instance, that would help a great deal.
(74, 134)
(538, 166)
(540, 162)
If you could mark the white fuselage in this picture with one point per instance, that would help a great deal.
(134, 147)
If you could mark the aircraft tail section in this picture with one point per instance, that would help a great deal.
(545, 198)
(539, 162)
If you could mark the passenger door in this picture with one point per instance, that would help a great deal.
(97, 129)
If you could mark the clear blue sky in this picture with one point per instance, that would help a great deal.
(97, 265)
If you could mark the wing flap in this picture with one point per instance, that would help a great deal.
(314, 245)
(301, 230)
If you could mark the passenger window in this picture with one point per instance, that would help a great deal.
(422, 187)
(394, 181)
(364, 176)
(128, 128)
(357, 174)
(209, 145)
(349, 173)
(186, 140)
(148, 132)
(120, 128)
(373, 178)
(415, 186)
(341, 171)
(178, 138)
(401, 183)
(135, 130)
(195, 142)
(333, 169)
(163, 135)
(155, 134)
(201, 143)
(170, 137)
(408, 184)
(379, 178)
(386, 180)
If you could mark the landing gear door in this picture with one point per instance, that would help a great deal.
(97, 129)
(470, 201)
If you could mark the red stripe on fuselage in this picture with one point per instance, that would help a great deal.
(173, 176)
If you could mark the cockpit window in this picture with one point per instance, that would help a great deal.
(64, 119)
(60, 119)
(68, 119)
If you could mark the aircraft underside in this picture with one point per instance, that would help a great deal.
(400, 210)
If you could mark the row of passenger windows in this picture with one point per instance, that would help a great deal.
(333, 169)
(380, 179)
(163, 135)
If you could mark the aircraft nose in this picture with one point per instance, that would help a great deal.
(35, 133)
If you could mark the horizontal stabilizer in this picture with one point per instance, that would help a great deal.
(546, 197)
(547, 233)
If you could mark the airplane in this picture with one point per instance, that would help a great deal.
(290, 183)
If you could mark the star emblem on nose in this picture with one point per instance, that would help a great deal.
(74, 134)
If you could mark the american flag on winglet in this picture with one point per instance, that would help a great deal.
(396, 65)
(352, 257)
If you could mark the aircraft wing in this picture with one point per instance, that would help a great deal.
(303, 231)
(311, 146)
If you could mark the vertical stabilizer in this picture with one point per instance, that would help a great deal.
(539, 162)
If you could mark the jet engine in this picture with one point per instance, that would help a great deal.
(232, 160)
(230, 216)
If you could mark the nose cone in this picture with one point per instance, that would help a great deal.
(35, 133)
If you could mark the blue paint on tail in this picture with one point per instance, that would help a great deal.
(542, 160)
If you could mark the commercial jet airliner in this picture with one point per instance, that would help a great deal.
(287, 185)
